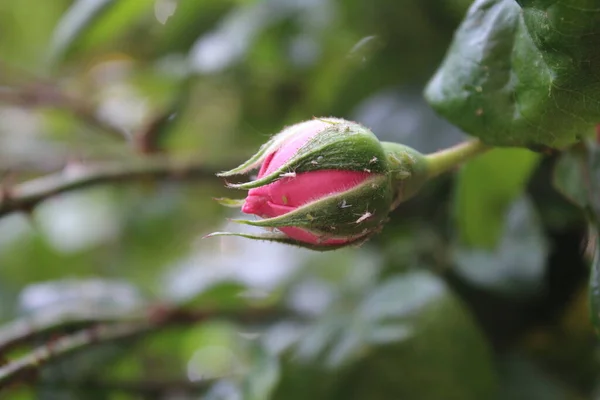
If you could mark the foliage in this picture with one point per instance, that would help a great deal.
(115, 117)
(522, 73)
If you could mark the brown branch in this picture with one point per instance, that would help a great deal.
(26, 367)
(46, 95)
(35, 327)
(145, 388)
(25, 196)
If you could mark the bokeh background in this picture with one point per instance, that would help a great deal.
(475, 289)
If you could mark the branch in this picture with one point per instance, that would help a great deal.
(148, 389)
(45, 324)
(129, 326)
(46, 95)
(25, 196)
(25, 367)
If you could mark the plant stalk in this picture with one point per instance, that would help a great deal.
(447, 159)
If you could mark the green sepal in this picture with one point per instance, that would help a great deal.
(232, 203)
(283, 239)
(408, 170)
(272, 145)
(254, 161)
(343, 146)
(353, 213)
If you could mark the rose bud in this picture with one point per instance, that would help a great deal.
(327, 183)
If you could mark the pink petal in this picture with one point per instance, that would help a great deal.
(305, 132)
(305, 187)
(285, 195)
(276, 210)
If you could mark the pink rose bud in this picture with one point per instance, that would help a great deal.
(326, 183)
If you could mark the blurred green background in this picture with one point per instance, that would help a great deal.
(475, 289)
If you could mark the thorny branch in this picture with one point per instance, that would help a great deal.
(126, 327)
(24, 330)
(25, 196)
(25, 367)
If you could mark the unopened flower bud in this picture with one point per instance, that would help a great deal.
(326, 183)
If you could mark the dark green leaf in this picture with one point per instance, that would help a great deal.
(517, 267)
(410, 323)
(191, 19)
(90, 22)
(523, 75)
(224, 295)
(263, 376)
(522, 379)
(577, 176)
(81, 15)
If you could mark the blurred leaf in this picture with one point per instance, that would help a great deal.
(485, 188)
(410, 323)
(222, 295)
(24, 34)
(594, 288)
(213, 350)
(74, 22)
(22, 393)
(92, 22)
(403, 116)
(445, 357)
(97, 295)
(516, 267)
(152, 138)
(226, 45)
(263, 376)
(191, 19)
(577, 176)
(519, 74)
(523, 380)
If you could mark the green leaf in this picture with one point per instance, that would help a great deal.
(92, 22)
(191, 19)
(523, 75)
(523, 379)
(81, 15)
(152, 138)
(445, 357)
(225, 295)
(516, 268)
(577, 176)
(263, 376)
(214, 350)
(408, 338)
(485, 188)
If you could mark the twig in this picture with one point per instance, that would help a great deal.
(25, 367)
(46, 95)
(33, 327)
(25, 196)
(146, 388)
